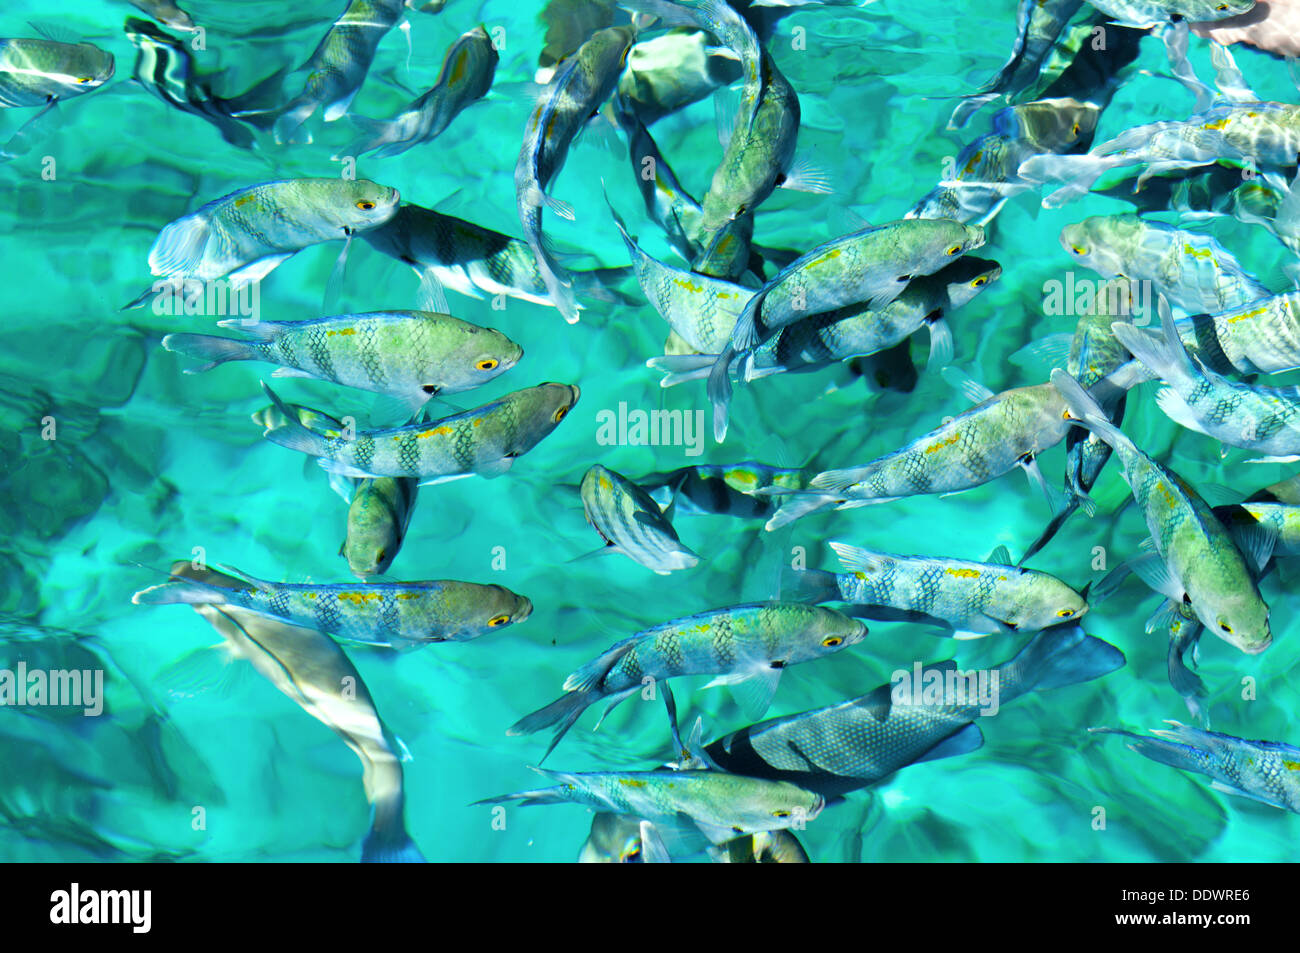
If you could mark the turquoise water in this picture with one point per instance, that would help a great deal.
(148, 463)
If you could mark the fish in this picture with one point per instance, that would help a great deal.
(823, 340)
(246, 234)
(1095, 355)
(466, 76)
(966, 599)
(723, 253)
(671, 71)
(165, 12)
(1149, 13)
(1264, 136)
(616, 839)
(749, 643)
(581, 84)
(1251, 416)
(378, 515)
(309, 668)
(44, 72)
(1262, 337)
(631, 523)
(1264, 771)
(473, 260)
(484, 441)
(338, 67)
(398, 615)
(1193, 558)
(716, 804)
(1192, 270)
(165, 67)
(721, 490)
(408, 355)
(859, 742)
(1038, 25)
(1001, 432)
(987, 170)
(871, 266)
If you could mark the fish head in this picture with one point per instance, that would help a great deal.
(82, 67)
(1198, 11)
(360, 205)
(1241, 620)
(552, 402)
(484, 353)
(1045, 601)
(967, 277)
(1052, 125)
(614, 839)
(374, 535)
(777, 805)
(833, 631)
(485, 608)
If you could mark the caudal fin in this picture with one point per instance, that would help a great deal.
(1056, 657)
(390, 847)
(293, 434)
(184, 591)
(561, 713)
(809, 585)
(208, 347)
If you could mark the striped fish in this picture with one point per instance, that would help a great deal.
(631, 523)
(400, 615)
(484, 441)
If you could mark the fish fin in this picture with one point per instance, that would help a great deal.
(55, 31)
(588, 677)
(431, 296)
(1257, 542)
(24, 139)
(614, 702)
(1036, 479)
(1175, 37)
(726, 105)
(1151, 569)
(259, 269)
(287, 372)
(1086, 411)
(1289, 458)
(448, 478)
(966, 385)
(809, 585)
(1224, 788)
(178, 249)
(293, 434)
(1063, 655)
(1054, 525)
(653, 848)
(806, 176)
(966, 635)
(719, 391)
(1001, 556)
(1227, 77)
(941, 345)
(1162, 618)
(562, 713)
(963, 741)
(390, 847)
(680, 368)
(754, 691)
(1175, 408)
(1050, 352)
(536, 197)
(215, 350)
(857, 559)
(186, 591)
(334, 284)
(798, 507)
(1078, 173)
(606, 550)
(211, 670)
(495, 468)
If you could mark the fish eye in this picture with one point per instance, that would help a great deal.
(85, 79)
(1221, 7)
(831, 641)
(379, 556)
(1075, 130)
(430, 388)
(1079, 251)
(780, 813)
(1065, 613)
(981, 280)
(365, 205)
(497, 621)
(954, 250)
(1225, 627)
(559, 414)
(486, 364)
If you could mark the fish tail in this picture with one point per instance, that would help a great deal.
(375, 133)
(719, 391)
(534, 796)
(388, 842)
(208, 347)
(184, 591)
(1188, 757)
(1056, 657)
(290, 121)
(809, 585)
(680, 368)
(561, 713)
(1053, 527)
(799, 506)
(293, 434)
(1078, 173)
(1087, 411)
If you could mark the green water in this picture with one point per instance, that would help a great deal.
(149, 464)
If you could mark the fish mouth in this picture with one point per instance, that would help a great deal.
(818, 804)
(524, 611)
(1254, 648)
